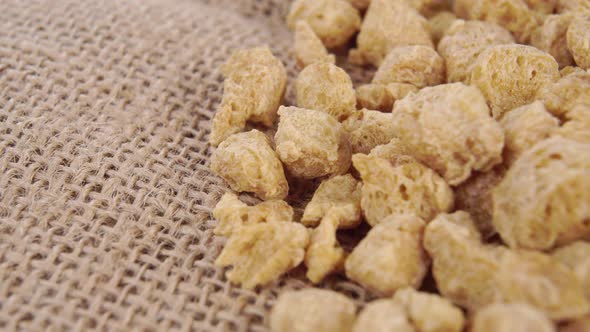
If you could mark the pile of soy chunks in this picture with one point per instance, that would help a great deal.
(468, 155)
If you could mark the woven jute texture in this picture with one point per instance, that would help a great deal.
(105, 190)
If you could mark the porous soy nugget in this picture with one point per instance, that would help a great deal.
(424, 120)
(551, 38)
(381, 97)
(261, 253)
(510, 76)
(312, 309)
(339, 196)
(577, 125)
(544, 199)
(248, 163)
(324, 254)
(327, 88)
(429, 8)
(405, 188)
(388, 24)
(524, 127)
(464, 41)
(418, 65)
(308, 46)
(578, 40)
(253, 89)
(576, 256)
(311, 143)
(383, 315)
(569, 92)
(367, 129)
(333, 21)
(474, 275)
(231, 213)
(391, 256)
(440, 23)
(511, 317)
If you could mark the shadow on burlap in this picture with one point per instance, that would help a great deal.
(105, 191)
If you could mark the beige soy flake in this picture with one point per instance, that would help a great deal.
(382, 97)
(324, 254)
(333, 21)
(569, 70)
(383, 316)
(231, 213)
(510, 76)
(311, 143)
(550, 37)
(391, 256)
(464, 41)
(312, 309)
(388, 24)
(475, 196)
(418, 65)
(430, 312)
(327, 88)
(254, 86)
(308, 46)
(440, 23)
(406, 188)
(248, 163)
(261, 253)
(524, 127)
(394, 151)
(577, 125)
(367, 129)
(511, 317)
(543, 200)
(576, 325)
(339, 196)
(424, 120)
(578, 40)
(576, 256)
(567, 93)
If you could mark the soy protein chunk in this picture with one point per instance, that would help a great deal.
(417, 65)
(578, 40)
(550, 37)
(324, 254)
(511, 317)
(367, 129)
(308, 46)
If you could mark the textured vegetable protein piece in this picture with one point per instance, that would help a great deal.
(388, 24)
(511, 317)
(543, 200)
(339, 196)
(382, 97)
(311, 143)
(261, 253)
(324, 254)
(231, 213)
(440, 23)
(424, 120)
(578, 40)
(576, 256)
(510, 76)
(418, 65)
(524, 127)
(327, 88)
(383, 315)
(390, 257)
(406, 188)
(367, 129)
(254, 86)
(550, 37)
(577, 125)
(567, 93)
(333, 21)
(394, 151)
(312, 309)
(248, 163)
(464, 41)
(430, 312)
(308, 46)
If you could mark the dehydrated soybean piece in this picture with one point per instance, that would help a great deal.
(576, 256)
(311, 143)
(510, 76)
(367, 129)
(383, 315)
(254, 86)
(324, 254)
(231, 213)
(418, 65)
(308, 46)
(551, 38)
(339, 196)
(567, 93)
(382, 97)
(327, 88)
(511, 317)
(544, 199)
(391, 256)
(423, 122)
(333, 21)
(261, 253)
(440, 23)
(248, 163)
(408, 187)
(577, 125)
(578, 40)
(312, 309)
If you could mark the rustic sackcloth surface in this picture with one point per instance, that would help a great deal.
(105, 191)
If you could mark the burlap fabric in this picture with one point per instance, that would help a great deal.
(105, 191)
